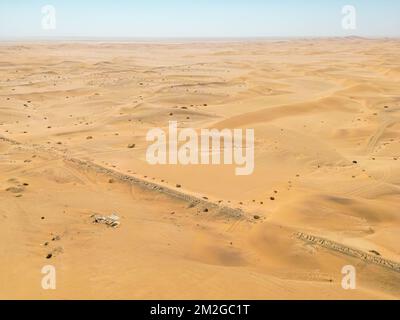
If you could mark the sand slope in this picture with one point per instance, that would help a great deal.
(326, 118)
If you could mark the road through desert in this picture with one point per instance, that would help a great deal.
(324, 193)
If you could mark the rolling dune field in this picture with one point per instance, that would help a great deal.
(324, 194)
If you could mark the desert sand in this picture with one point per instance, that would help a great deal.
(73, 122)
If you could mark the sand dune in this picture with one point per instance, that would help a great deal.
(73, 125)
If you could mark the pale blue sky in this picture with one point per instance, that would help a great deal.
(198, 18)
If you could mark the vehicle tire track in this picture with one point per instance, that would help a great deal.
(373, 141)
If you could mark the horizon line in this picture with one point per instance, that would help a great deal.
(181, 38)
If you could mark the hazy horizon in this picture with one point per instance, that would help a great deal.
(122, 19)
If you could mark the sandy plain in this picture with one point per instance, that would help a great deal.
(326, 115)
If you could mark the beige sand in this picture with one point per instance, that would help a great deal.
(326, 115)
